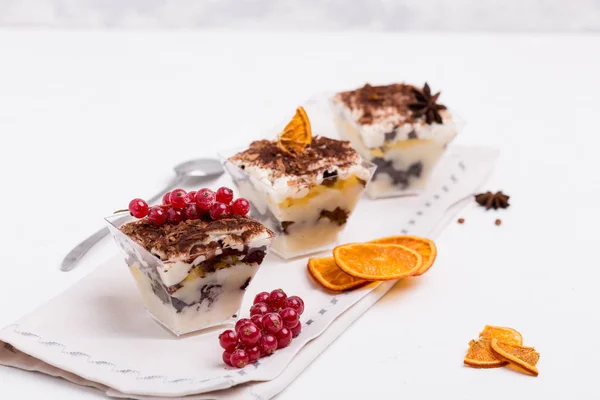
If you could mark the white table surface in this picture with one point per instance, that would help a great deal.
(89, 120)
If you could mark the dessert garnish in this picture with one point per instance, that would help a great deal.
(498, 222)
(497, 346)
(377, 262)
(425, 247)
(328, 274)
(492, 200)
(461, 221)
(521, 356)
(274, 322)
(297, 134)
(426, 105)
(179, 205)
(347, 270)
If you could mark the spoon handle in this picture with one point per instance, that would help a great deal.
(72, 258)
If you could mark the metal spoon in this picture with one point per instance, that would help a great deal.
(192, 171)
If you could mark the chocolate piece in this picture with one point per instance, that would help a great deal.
(208, 293)
(391, 135)
(285, 225)
(244, 286)
(399, 177)
(338, 215)
(329, 178)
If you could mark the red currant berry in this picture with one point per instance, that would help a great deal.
(138, 208)
(240, 207)
(219, 211)
(253, 353)
(277, 299)
(190, 197)
(267, 344)
(227, 358)
(296, 303)
(205, 198)
(272, 323)
(297, 329)
(174, 215)
(257, 320)
(289, 317)
(157, 216)
(167, 198)
(178, 198)
(191, 211)
(228, 340)
(241, 321)
(260, 309)
(224, 195)
(262, 297)
(284, 338)
(239, 358)
(249, 334)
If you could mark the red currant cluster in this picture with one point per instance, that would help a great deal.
(180, 205)
(274, 321)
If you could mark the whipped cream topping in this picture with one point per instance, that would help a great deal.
(382, 114)
(286, 176)
(191, 240)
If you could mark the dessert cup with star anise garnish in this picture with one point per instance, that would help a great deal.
(400, 128)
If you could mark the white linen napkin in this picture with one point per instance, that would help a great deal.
(97, 333)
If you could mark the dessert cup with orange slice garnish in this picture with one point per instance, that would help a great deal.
(302, 186)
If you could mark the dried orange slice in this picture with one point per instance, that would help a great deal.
(524, 357)
(506, 335)
(328, 274)
(297, 134)
(425, 247)
(377, 262)
(481, 355)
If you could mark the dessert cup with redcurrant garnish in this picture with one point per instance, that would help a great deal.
(191, 264)
(401, 129)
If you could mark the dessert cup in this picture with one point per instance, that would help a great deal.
(386, 127)
(307, 214)
(188, 295)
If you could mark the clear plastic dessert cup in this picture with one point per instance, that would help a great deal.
(306, 218)
(190, 297)
(404, 161)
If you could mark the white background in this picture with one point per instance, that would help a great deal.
(90, 120)
(303, 15)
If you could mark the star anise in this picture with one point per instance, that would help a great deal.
(426, 105)
(491, 200)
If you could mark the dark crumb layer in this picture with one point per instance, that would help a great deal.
(381, 102)
(321, 155)
(191, 238)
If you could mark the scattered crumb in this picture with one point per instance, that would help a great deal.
(461, 221)
(498, 222)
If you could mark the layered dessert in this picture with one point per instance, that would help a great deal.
(400, 128)
(193, 274)
(305, 193)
